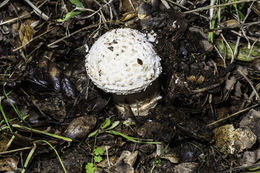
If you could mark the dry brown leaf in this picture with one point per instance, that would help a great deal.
(256, 8)
(4, 143)
(128, 16)
(232, 23)
(26, 33)
(129, 5)
(8, 164)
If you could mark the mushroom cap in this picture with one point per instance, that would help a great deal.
(123, 61)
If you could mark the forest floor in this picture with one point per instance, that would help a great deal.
(54, 119)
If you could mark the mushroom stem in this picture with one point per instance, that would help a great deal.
(140, 103)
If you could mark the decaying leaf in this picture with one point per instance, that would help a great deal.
(128, 16)
(252, 120)
(3, 143)
(230, 140)
(80, 127)
(256, 8)
(8, 165)
(128, 5)
(26, 33)
(125, 162)
(187, 167)
(244, 54)
(230, 23)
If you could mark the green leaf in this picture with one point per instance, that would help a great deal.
(98, 159)
(123, 135)
(132, 139)
(210, 37)
(106, 123)
(113, 125)
(92, 134)
(241, 15)
(77, 3)
(158, 161)
(244, 54)
(98, 151)
(213, 23)
(128, 122)
(69, 16)
(90, 168)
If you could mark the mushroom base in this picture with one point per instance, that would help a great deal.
(140, 103)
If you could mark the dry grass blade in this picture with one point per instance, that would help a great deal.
(219, 5)
(185, 8)
(3, 3)
(39, 36)
(250, 83)
(37, 10)
(213, 124)
(15, 150)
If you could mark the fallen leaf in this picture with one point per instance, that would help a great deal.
(26, 33)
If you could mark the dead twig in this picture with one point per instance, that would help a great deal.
(250, 83)
(201, 90)
(242, 31)
(231, 50)
(253, 93)
(241, 35)
(185, 8)
(15, 19)
(97, 11)
(242, 168)
(3, 3)
(37, 10)
(15, 150)
(211, 12)
(232, 115)
(69, 35)
(221, 27)
(219, 5)
(223, 58)
(20, 17)
(20, 47)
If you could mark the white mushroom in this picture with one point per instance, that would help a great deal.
(123, 62)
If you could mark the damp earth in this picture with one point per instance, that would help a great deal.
(54, 119)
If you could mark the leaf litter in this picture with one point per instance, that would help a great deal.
(47, 96)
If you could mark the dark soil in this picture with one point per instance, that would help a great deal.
(44, 86)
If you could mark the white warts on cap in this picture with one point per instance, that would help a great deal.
(123, 61)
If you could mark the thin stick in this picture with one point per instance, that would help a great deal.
(37, 10)
(131, 3)
(97, 11)
(42, 132)
(69, 35)
(185, 8)
(242, 168)
(223, 58)
(221, 27)
(250, 83)
(242, 31)
(15, 19)
(231, 50)
(20, 17)
(108, 162)
(232, 115)
(219, 5)
(241, 35)
(207, 88)
(20, 47)
(3, 3)
(15, 150)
